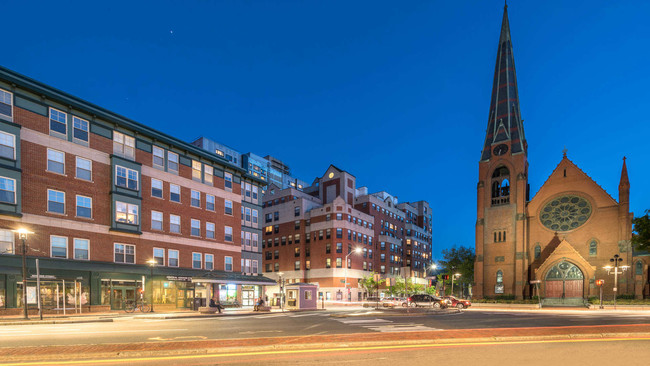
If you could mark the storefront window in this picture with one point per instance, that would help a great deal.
(3, 302)
(227, 293)
(164, 292)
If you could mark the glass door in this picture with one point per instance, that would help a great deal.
(248, 298)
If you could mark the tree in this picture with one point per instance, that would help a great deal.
(641, 232)
(369, 284)
(459, 260)
(399, 288)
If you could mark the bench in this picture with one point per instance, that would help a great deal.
(263, 308)
(208, 310)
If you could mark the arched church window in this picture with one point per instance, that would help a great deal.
(639, 268)
(499, 276)
(593, 248)
(538, 251)
(501, 172)
(499, 236)
(496, 189)
(505, 188)
(504, 236)
(495, 237)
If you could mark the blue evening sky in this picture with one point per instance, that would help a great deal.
(395, 92)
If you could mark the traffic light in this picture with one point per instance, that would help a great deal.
(600, 282)
(445, 277)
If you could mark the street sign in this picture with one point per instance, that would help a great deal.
(535, 281)
(342, 281)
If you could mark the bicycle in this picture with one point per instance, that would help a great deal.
(131, 306)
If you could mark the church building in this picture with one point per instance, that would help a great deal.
(565, 235)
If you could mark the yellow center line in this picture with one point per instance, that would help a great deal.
(320, 350)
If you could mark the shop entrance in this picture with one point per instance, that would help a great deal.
(184, 298)
(120, 295)
(248, 297)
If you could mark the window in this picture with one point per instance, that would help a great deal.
(7, 144)
(209, 230)
(328, 248)
(499, 277)
(58, 247)
(255, 191)
(196, 199)
(209, 202)
(79, 129)
(158, 158)
(123, 145)
(277, 267)
(328, 263)
(339, 263)
(197, 260)
(209, 262)
(84, 207)
(175, 224)
(276, 254)
(196, 227)
(156, 220)
(255, 217)
(156, 188)
(638, 270)
(339, 216)
(228, 207)
(58, 122)
(228, 264)
(196, 170)
(254, 267)
(255, 241)
(55, 201)
(84, 169)
(55, 161)
(228, 233)
(227, 178)
(6, 242)
(125, 177)
(7, 190)
(538, 251)
(593, 248)
(172, 162)
(126, 213)
(81, 249)
(124, 253)
(172, 258)
(339, 247)
(296, 211)
(296, 265)
(208, 174)
(248, 215)
(6, 104)
(328, 233)
(159, 256)
(339, 233)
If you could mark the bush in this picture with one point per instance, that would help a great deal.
(625, 297)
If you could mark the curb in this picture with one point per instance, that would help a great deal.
(62, 321)
(386, 314)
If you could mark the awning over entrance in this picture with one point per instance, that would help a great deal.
(230, 277)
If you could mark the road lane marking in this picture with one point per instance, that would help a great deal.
(390, 347)
(363, 321)
(101, 332)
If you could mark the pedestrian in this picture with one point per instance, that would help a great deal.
(216, 304)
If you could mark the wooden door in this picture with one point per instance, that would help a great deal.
(573, 288)
(554, 288)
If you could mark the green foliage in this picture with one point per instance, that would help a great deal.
(431, 290)
(369, 284)
(459, 260)
(641, 231)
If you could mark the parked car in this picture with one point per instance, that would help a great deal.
(423, 300)
(458, 303)
(391, 302)
(371, 302)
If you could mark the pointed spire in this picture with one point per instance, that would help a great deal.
(504, 119)
(625, 182)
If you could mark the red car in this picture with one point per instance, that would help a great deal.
(458, 303)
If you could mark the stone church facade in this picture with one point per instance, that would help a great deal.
(565, 235)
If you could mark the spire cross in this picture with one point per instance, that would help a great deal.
(564, 151)
(624, 158)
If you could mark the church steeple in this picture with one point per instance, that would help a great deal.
(504, 119)
(624, 185)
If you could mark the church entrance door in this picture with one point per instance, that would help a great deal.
(564, 281)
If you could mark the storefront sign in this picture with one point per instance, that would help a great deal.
(45, 277)
(179, 278)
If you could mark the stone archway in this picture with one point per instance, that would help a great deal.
(564, 281)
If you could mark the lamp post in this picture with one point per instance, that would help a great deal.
(616, 260)
(281, 283)
(433, 268)
(22, 235)
(455, 275)
(356, 250)
(152, 263)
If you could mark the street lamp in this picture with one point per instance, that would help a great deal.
(281, 283)
(456, 275)
(22, 234)
(356, 250)
(616, 259)
(152, 263)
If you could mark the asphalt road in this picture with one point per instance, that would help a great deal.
(129, 330)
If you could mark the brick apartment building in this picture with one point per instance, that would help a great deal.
(103, 195)
(309, 233)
